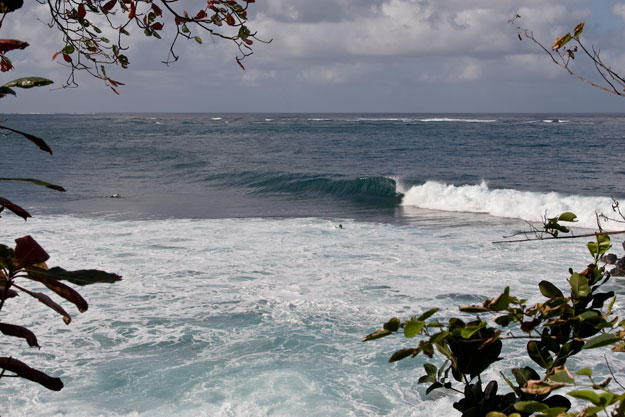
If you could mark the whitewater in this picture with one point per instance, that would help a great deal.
(241, 296)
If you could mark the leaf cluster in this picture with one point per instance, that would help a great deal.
(568, 323)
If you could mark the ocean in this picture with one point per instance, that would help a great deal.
(242, 296)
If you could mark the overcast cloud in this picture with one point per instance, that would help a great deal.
(345, 56)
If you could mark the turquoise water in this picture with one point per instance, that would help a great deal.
(241, 296)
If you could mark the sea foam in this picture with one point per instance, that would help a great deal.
(509, 203)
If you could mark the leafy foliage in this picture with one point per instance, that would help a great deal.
(569, 322)
(27, 260)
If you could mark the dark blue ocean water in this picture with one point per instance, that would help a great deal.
(349, 165)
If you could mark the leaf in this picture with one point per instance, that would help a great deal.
(601, 340)
(198, 39)
(6, 90)
(36, 182)
(469, 331)
(80, 277)
(28, 252)
(600, 247)
(402, 354)
(64, 291)
(561, 374)
(377, 335)
(82, 12)
(530, 406)
(567, 217)
(539, 354)
(427, 314)
(584, 371)
(48, 302)
(579, 285)
(579, 29)
(501, 302)
(549, 290)
(29, 82)
(14, 208)
(392, 325)
(586, 395)
(19, 331)
(24, 371)
(413, 327)
(473, 309)
(561, 41)
(109, 6)
(7, 45)
(37, 141)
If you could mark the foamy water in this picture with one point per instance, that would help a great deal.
(257, 317)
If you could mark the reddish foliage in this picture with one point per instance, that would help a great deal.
(5, 64)
(201, 15)
(10, 44)
(132, 12)
(67, 58)
(157, 10)
(230, 20)
(82, 12)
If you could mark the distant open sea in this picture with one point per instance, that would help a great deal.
(241, 295)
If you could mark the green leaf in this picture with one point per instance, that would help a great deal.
(549, 290)
(69, 49)
(6, 90)
(427, 314)
(562, 374)
(539, 354)
(567, 217)
(584, 371)
(502, 302)
(579, 285)
(601, 340)
(413, 327)
(198, 39)
(184, 28)
(432, 387)
(469, 331)
(600, 247)
(586, 395)
(29, 82)
(530, 406)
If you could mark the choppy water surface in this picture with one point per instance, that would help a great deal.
(241, 297)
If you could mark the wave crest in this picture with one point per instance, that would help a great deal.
(509, 203)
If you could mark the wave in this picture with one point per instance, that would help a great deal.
(509, 203)
(382, 190)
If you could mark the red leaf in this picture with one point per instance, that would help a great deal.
(201, 15)
(67, 58)
(10, 44)
(55, 55)
(108, 6)
(132, 12)
(241, 65)
(250, 1)
(157, 26)
(14, 208)
(157, 10)
(28, 252)
(81, 11)
(230, 20)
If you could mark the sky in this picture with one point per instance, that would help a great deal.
(381, 56)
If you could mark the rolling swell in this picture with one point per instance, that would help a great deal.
(374, 190)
